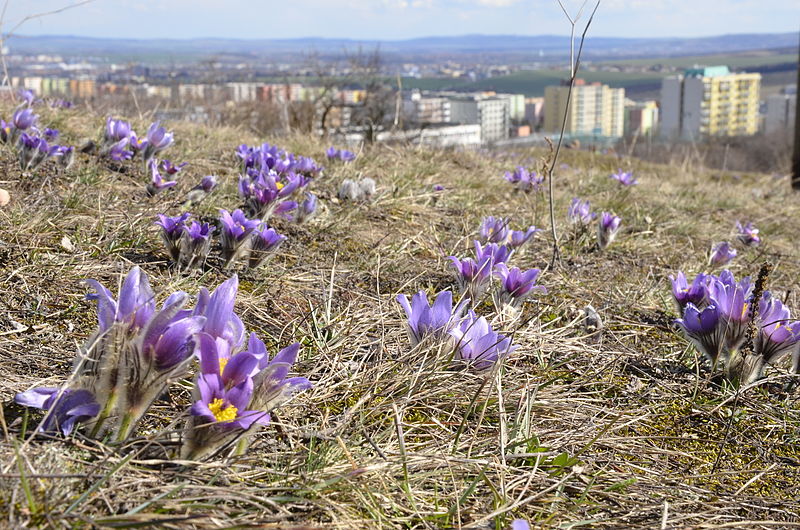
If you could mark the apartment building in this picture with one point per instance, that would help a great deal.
(641, 117)
(710, 101)
(781, 110)
(491, 113)
(594, 109)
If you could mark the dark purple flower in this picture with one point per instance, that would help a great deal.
(438, 187)
(24, 119)
(307, 209)
(778, 334)
(748, 234)
(65, 408)
(478, 345)
(625, 179)
(27, 96)
(517, 238)
(492, 252)
(703, 329)
(721, 254)
(226, 408)
(683, 293)
(426, 320)
(264, 243)
(607, 229)
(117, 151)
(171, 169)
(580, 212)
(171, 230)
(516, 286)
(195, 244)
(50, 134)
(158, 139)
(525, 180)
(116, 130)
(157, 182)
(494, 230)
(272, 386)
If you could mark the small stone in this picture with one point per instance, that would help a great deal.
(67, 245)
(5, 197)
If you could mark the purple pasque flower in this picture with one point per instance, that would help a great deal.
(116, 130)
(201, 191)
(66, 157)
(526, 181)
(157, 183)
(492, 252)
(516, 286)
(683, 293)
(625, 179)
(171, 231)
(607, 229)
(135, 143)
(306, 209)
(778, 334)
(520, 524)
(263, 244)
(332, 153)
(236, 230)
(157, 139)
(732, 301)
(195, 244)
(23, 119)
(221, 322)
(27, 96)
(478, 345)
(438, 187)
(472, 276)
(494, 230)
(65, 407)
(171, 169)
(580, 212)
(136, 351)
(703, 329)
(748, 234)
(5, 131)
(425, 320)
(34, 150)
(136, 304)
(517, 238)
(117, 151)
(721, 254)
(219, 416)
(272, 386)
(346, 156)
(264, 193)
(50, 134)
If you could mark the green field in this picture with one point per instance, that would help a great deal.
(734, 61)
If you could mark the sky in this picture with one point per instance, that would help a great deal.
(394, 19)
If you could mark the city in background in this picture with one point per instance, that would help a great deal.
(443, 98)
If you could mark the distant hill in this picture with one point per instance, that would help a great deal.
(530, 47)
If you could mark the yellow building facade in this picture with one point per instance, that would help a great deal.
(594, 109)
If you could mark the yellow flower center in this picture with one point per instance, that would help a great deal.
(221, 412)
(744, 310)
(279, 185)
(222, 364)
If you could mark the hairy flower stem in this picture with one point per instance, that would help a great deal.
(111, 402)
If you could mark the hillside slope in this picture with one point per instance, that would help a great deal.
(618, 430)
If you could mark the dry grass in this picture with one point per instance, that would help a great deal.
(620, 430)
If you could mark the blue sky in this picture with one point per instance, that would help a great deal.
(396, 19)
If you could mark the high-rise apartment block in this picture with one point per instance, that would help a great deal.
(710, 101)
(594, 109)
(781, 110)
